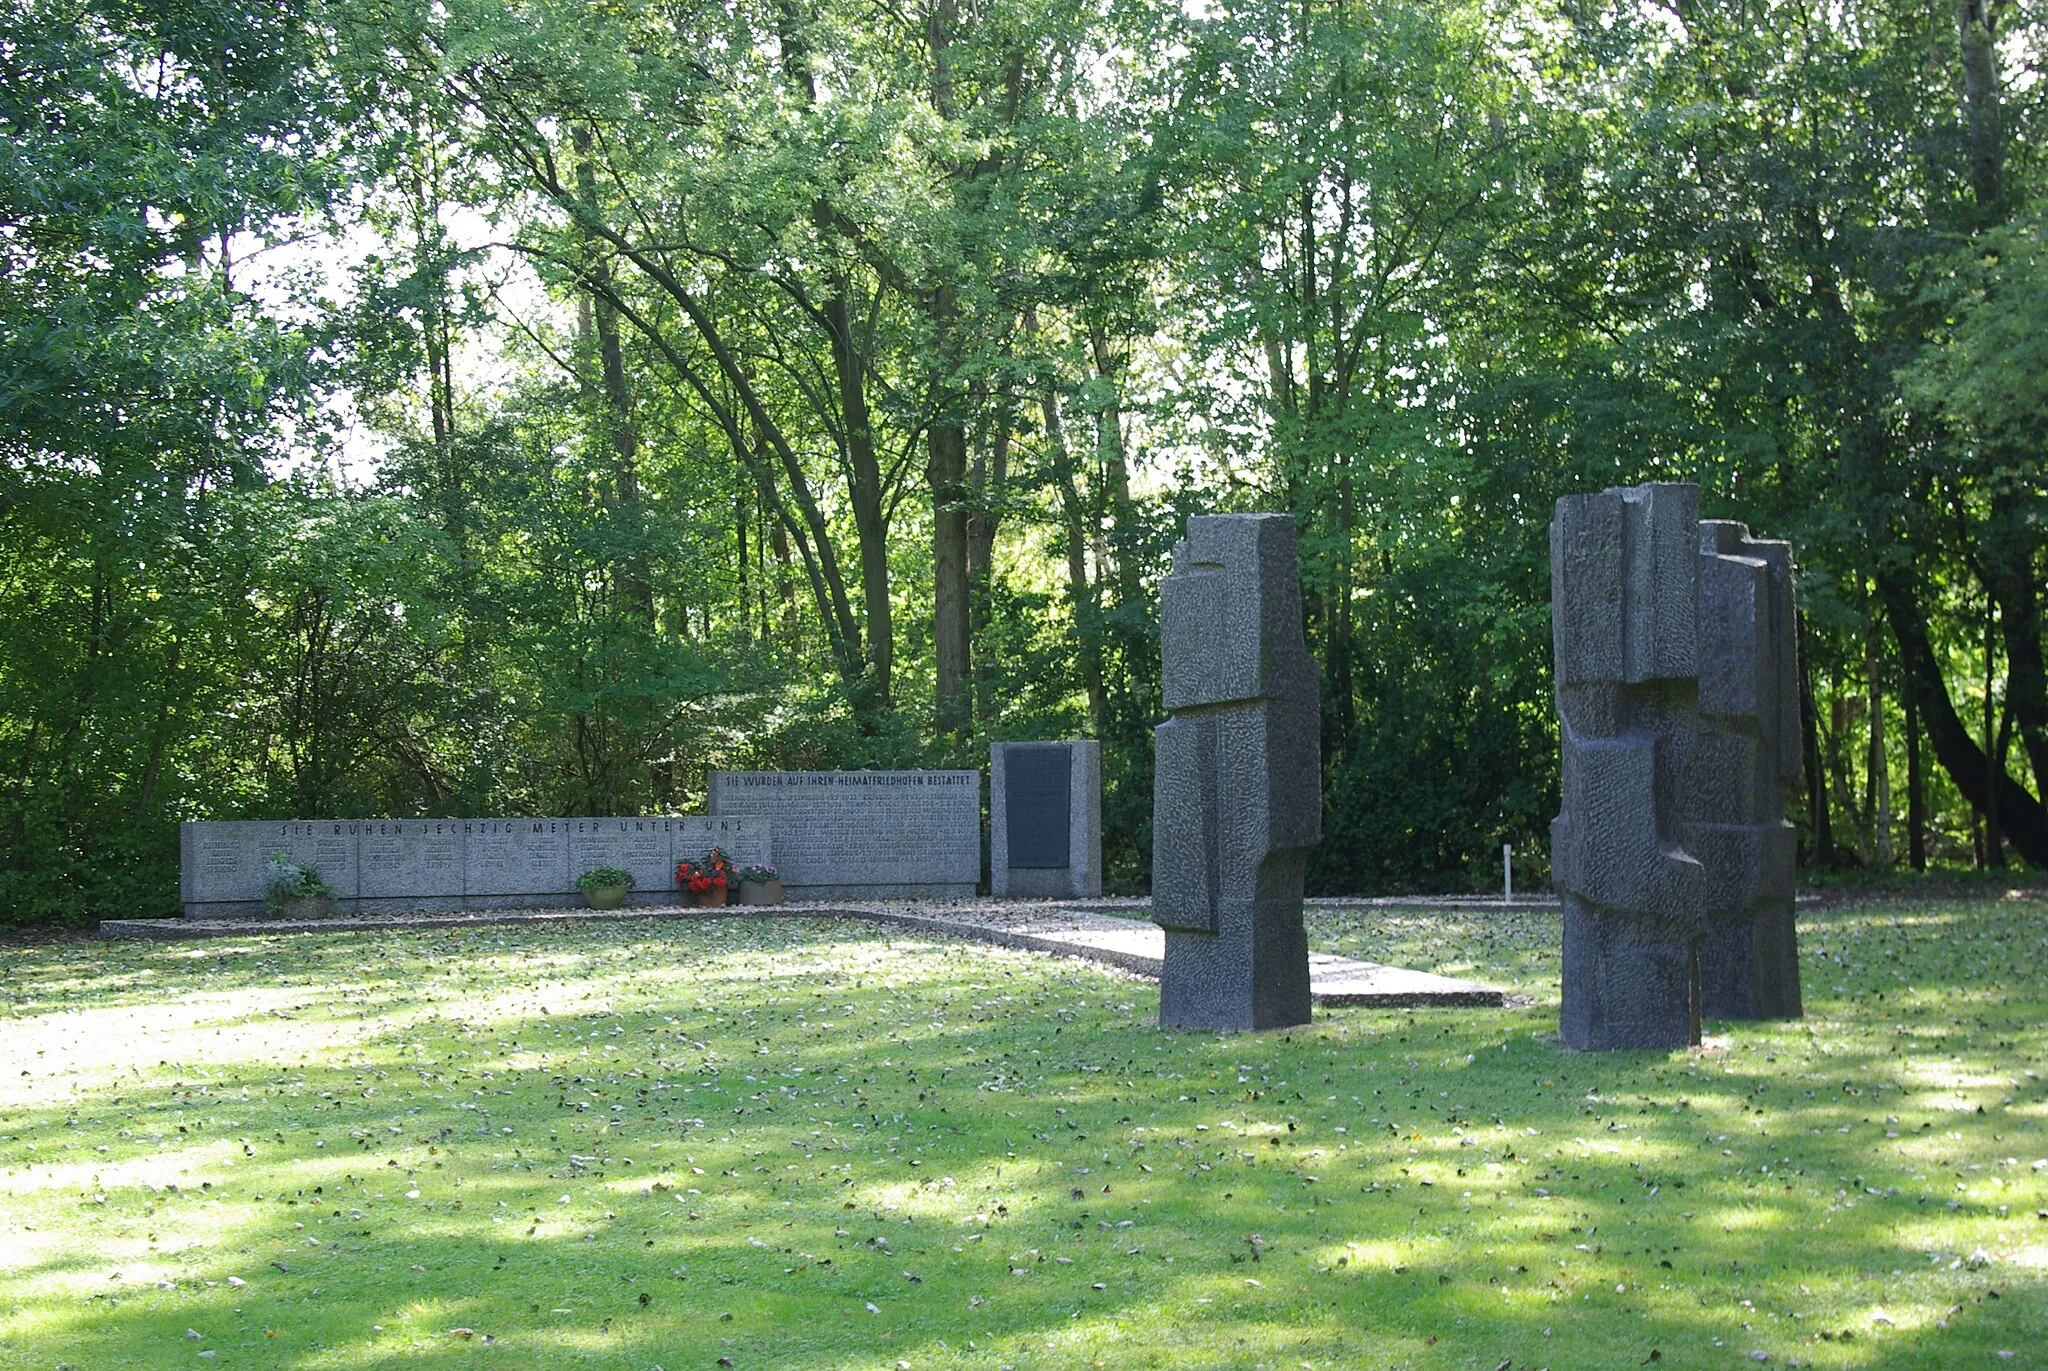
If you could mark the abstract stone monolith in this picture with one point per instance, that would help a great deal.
(1624, 596)
(1744, 761)
(1237, 791)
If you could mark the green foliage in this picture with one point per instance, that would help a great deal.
(810, 386)
(285, 879)
(601, 877)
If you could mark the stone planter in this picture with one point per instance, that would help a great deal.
(761, 892)
(306, 907)
(606, 896)
(710, 899)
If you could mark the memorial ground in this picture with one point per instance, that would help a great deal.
(794, 1145)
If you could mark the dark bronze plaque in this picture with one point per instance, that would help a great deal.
(1035, 793)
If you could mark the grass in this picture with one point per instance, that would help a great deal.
(808, 1145)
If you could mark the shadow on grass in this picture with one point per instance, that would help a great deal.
(749, 1120)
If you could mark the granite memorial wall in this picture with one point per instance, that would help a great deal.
(406, 865)
(864, 834)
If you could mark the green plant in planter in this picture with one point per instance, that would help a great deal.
(604, 878)
(757, 875)
(285, 880)
(605, 887)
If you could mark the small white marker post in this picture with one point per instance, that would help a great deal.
(1507, 873)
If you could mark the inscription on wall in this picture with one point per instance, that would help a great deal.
(864, 832)
(402, 858)
(1045, 819)
(1037, 804)
(403, 864)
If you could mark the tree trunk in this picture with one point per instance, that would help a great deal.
(1916, 795)
(987, 478)
(1840, 725)
(1109, 449)
(742, 508)
(1976, 28)
(1344, 710)
(438, 335)
(1877, 772)
(160, 734)
(785, 588)
(870, 516)
(634, 583)
(2024, 820)
(1994, 758)
(2009, 556)
(946, 472)
(849, 369)
(1816, 775)
(1080, 593)
(946, 446)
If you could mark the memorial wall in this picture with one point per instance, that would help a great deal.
(864, 834)
(1045, 819)
(403, 865)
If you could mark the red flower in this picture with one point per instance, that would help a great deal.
(712, 873)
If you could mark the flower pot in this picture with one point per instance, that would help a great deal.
(761, 892)
(710, 899)
(306, 907)
(606, 896)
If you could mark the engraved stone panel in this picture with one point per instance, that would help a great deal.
(864, 834)
(748, 840)
(412, 862)
(394, 865)
(1036, 804)
(221, 867)
(507, 857)
(1045, 819)
(644, 847)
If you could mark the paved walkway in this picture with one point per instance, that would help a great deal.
(1133, 944)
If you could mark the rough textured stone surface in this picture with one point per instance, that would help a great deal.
(1624, 595)
(1744, 761)
(864, 835)
(444, 865)
(1237, 797)
(1045, 840)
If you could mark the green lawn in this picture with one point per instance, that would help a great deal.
(804, 1144)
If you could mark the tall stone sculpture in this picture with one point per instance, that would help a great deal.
(1744, 761)
(1624, 576)
(1237, 794)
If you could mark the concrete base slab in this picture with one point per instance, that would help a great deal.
(1134, 945)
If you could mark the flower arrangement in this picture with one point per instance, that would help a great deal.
(712, 871)
(756, 874)
(602, 877)
(285, 879)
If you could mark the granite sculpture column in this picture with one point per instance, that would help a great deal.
(1624, 569)
(1237, 790)
(1744, 761)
